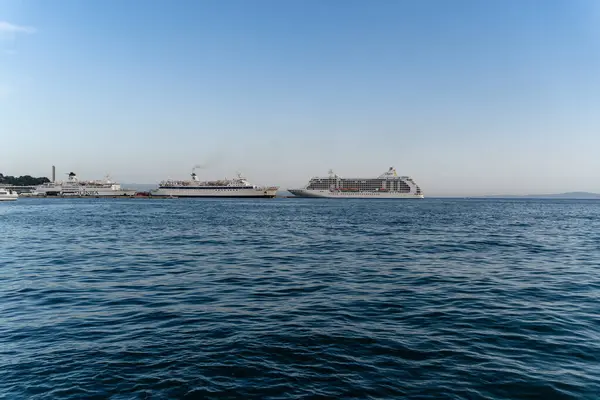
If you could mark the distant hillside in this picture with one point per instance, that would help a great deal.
(568, 195)
(577, 195)
(25, 180)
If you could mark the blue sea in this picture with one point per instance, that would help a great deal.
(299, 299)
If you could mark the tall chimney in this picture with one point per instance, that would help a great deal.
(53, 173)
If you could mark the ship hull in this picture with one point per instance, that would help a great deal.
(106, 193)
(84, 192)
(215, 193)
(353, 195)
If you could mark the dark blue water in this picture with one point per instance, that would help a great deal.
(290, 298)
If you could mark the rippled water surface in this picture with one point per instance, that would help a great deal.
(292, 298)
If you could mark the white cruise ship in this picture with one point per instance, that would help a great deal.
(75, 187)
(387, 185)
(237, 187)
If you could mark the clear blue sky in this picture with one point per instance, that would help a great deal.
(468, 97)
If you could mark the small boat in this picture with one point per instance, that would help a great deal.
(7, 194)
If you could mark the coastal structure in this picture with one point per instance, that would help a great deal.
(387, 185)
(75, 187)
(237, 187)
(20, 190)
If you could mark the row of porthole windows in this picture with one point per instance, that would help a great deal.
(362, 194)
(217, 190)
(391, 187)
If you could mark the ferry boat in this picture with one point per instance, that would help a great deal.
(387, 185)
(74, 187)
(7, 194)
(237, 187)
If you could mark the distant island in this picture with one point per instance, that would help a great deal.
(568, 195)
(26, 180)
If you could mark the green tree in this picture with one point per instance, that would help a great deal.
(26, 180)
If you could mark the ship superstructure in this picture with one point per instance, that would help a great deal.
(387, 185)
(237, 187)
(75, 187)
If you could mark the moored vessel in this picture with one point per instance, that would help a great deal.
(387, 185)
(7, 194)
(79, 188)
(238, 187)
